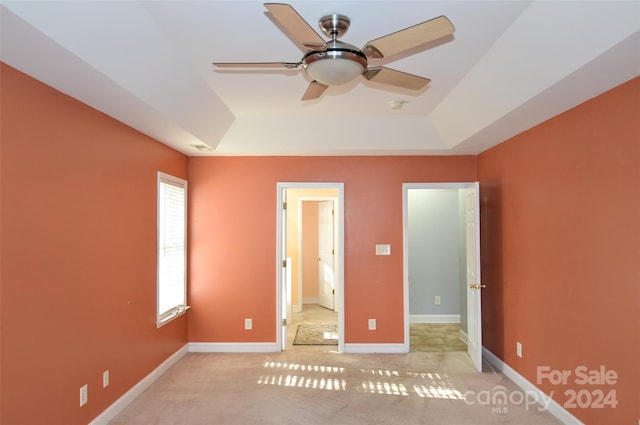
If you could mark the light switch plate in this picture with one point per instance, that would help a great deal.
(383, 249)
(372, 324)
(84, 395)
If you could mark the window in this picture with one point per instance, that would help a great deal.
(172, 253)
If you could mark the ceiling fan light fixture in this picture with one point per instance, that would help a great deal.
(334, 67)
(334, 62)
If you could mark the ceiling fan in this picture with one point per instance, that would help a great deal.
(334, 62)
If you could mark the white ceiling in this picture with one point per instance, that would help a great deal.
(509, 66)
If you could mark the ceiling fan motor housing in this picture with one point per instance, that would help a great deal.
(338, 64)
(334, 26)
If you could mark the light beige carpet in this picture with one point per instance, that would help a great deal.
(309, 388)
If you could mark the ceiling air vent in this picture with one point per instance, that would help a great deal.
(203, 148)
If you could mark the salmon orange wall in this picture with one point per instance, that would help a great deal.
(561, 247)
(78, 197)
(233, 239)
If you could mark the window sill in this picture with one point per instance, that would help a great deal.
(173, 316)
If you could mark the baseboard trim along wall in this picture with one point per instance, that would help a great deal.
(376, 348)
(464, 337)
(233, 347)
(553, 407)
(120, 404)
(434, 318)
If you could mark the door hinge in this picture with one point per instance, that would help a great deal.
(333, 252)
(284, 205)
(284, 263)
(332, 212)
(284, 322)
(333, 292)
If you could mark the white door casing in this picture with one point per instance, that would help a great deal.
(281, 250)
(285, 269)
(472, 238)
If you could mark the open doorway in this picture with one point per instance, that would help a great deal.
(310, 247)
(316, 232)
(441, 256)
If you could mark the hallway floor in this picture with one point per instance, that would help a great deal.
(423, 336)
(311, 314)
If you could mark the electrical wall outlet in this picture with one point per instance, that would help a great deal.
(437, 299)
(248, 324)
(383, 249)
(105, 379)
(372, 324)
(84, 395)
(519, 349)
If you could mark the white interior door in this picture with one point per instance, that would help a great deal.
(326, 253)
(474, 286)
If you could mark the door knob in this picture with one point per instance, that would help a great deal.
(477, 286)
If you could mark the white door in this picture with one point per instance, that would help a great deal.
(326, 255)
(474, 286)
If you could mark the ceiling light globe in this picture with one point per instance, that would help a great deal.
(334, 66)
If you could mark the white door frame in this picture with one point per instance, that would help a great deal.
(302, 199)
(280, 226)
(405, 227)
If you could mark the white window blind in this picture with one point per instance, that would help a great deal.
(172, 209)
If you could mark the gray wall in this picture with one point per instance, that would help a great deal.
(435, 251)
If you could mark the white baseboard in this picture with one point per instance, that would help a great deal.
(376, 348)
(310, 300)
(464, 337)
(296, 308)
(120, 404)
(233, 347)
(434, 318)
(553, 408)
